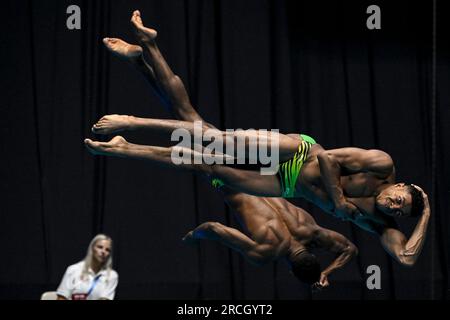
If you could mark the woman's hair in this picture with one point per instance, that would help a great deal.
(89, 256)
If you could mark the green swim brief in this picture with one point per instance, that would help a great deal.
(217, 183)
(289, 171)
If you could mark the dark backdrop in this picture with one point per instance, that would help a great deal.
(300, 66)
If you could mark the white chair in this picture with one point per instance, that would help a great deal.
(49, 295)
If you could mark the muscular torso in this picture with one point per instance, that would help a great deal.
(358, 188)
(271, 221)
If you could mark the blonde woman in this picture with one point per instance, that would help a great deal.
(92, 278)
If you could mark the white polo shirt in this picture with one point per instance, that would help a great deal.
(72, 284)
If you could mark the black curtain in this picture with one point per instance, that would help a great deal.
(300, 66)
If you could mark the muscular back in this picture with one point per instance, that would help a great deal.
(272, 221)
(258, 216)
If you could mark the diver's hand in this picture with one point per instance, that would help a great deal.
(322, 283)
(426, 203)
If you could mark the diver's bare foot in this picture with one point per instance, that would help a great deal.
(112, 123)
(123, 49)
(145, 35)
(113, 147)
